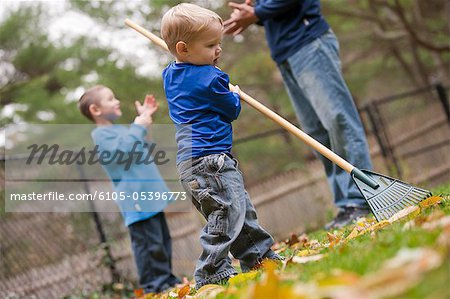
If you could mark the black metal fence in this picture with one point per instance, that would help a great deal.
(401, 128)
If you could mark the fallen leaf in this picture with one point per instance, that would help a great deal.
(441, 222)
(209, 291)
(138, 292)
(354, 233)
(338, 278)
(243, 277)
(333, 239)
(292, 240)
(430, 201)
(396, 276)
(280, 250)
(313, 244)
(118, 286)
(364, 222)
(422, 257)
(303, 239)
(184, 291)
(268, 286)
(379, 225)
(307, 259)
(307, 252)
(410, 212)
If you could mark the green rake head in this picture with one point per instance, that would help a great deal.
(390, 196)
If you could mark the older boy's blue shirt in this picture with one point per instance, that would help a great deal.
(202, 107)
(290, 24)
(140, 177)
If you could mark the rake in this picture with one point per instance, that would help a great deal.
(385, 195)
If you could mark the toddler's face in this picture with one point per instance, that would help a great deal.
(109, 106)
(205, 49)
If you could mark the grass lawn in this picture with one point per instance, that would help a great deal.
(408, 258)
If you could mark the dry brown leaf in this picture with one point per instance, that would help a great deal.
(307, 259)
(242, 277)
(423, 219)
(209, 291)
(379, 225)
(400, 273)
(280, 250)
(423, 258)
(364, 227)
(292, 240)
(307, 252)
(333, 240)
(184, 291)
(268, 286)
(441, 222)
(138, 293)
(313, 244)
(410, 212)
(339, 278)
(278, 245)
(331, 237)
(430, 201)
(303, 239)
(354, 233)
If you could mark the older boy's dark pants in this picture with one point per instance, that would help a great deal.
(152, 248)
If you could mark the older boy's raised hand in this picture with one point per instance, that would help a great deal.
(149, 104)
(145, 119)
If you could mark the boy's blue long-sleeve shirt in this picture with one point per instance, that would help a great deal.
(202, 107)
(140, 177)
(290, 24)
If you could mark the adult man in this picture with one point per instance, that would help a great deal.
(307, 54)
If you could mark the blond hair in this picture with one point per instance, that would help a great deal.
(184, 22)
(89, 98)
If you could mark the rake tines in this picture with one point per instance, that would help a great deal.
(391, 196)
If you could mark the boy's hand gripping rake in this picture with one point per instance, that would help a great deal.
(385, 195)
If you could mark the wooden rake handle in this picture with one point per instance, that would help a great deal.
(263, 109)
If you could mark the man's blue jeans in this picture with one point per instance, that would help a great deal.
(217, 189)
(326, 111)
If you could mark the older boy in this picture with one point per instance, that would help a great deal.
(202, 108)
(145, 220)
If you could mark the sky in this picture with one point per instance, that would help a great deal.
(65, 25)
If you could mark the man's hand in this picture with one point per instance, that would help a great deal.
(149, 105)
(243, 15)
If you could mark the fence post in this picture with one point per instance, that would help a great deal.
(383, 138)
(109, 260)
(376, 132)
(442, 93)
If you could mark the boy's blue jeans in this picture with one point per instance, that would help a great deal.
(217, 189)
(152, 249)
(326, 111)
